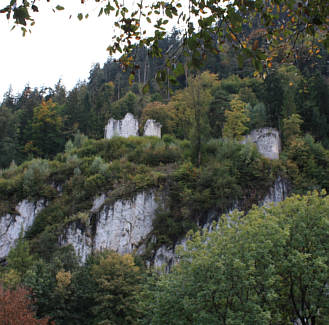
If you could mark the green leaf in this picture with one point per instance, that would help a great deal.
(168, 13)
(131, 79)
(58, 7)
(146, 89)
(80, 16)
(179, 69)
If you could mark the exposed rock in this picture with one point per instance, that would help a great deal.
(122, 227)
(165, 257)
(126, 127)
(11, 225)
(267, 141)
(152, 128)
(98, 202)
(80, 239)
(277, 193)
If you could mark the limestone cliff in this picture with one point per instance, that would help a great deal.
(124, 225)
(12, 224)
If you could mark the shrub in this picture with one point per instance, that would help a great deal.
(35, 177)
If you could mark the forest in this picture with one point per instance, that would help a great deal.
(259, 265)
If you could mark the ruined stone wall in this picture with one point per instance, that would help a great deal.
(152, 128)
(128, 126)
(267, 141)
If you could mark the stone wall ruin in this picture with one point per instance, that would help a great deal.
(128, 126)
(152, 128)
(267, 141)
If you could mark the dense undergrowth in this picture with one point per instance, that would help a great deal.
(230, 175)
(122, 167)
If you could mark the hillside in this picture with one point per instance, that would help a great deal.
(85, 220)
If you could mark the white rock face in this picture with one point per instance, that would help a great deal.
(152, 128)
(98, 202)
(11, 225)
(267, 141)
(123, 128)
(277, 193)
(123, 226)
(80, 240)
(164, 258)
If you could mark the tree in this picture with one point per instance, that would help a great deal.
(118, 280)
(47, 127)
(157, 111)
(268, 267)
(19, 258)
(236, 120)
(15, 308)
(207, 25)
(189, 109)
(273, 98)
(8, 136)
(291, 127)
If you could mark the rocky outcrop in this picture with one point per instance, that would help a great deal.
(125, 225)
(79, 236)
(152, 128)
(12, 224)
(122, 226)
(277, 193)
(126, 127)
(165, 257)
(267, 141)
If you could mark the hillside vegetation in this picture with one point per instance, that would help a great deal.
(263, 267)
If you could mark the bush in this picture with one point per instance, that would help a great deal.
(35, 177)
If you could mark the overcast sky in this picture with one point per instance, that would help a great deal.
(58, 48)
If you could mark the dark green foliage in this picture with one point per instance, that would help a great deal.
(257, 115)
(273, 99)
(103, 289)
(269, 267)
(312, 101)
(127, 104)
(233, 173)
(307, 164)
(8, 136)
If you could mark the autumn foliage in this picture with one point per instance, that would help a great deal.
(15, 308)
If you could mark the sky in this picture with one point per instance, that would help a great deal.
(57, 48)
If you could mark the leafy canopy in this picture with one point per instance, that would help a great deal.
(206, 26)
(268, 267)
